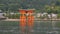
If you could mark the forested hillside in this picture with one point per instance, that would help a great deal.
(14, 5)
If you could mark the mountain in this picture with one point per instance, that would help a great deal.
(24, 4)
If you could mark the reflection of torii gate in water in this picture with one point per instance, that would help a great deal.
(26, 17)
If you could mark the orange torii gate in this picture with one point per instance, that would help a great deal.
(26, 17)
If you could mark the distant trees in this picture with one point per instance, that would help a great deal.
(39, 5)
(52, 9)
(58, 2)
(13, 5)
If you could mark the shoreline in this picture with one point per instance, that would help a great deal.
(34, 20)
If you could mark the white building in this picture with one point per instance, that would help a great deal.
(1, 15)
(53, 16)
